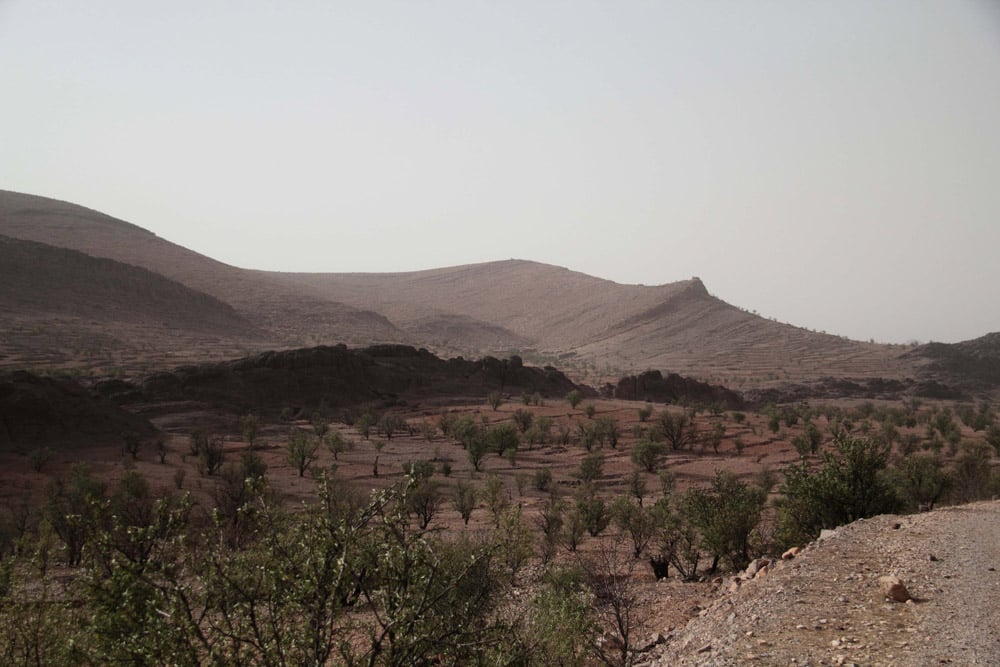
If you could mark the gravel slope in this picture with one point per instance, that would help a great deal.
(825, 607)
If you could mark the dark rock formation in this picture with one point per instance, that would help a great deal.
(338, 376)
(653, 386)
(972, 364)
(37, 409)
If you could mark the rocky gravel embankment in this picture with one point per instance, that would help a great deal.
(826, 606)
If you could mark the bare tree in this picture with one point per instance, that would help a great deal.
(617, 605)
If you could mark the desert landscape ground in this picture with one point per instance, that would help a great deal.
(577, 431)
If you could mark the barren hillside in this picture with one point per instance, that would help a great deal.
(595, 328)
(562, 313)
(61, 305)
(289, 316)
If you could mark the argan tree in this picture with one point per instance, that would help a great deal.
(302, 450)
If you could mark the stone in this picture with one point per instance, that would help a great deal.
(654, 640)
(762, 572)
(893, 588)
(791, 553)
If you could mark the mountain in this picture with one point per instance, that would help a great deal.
(61, 305)
(274, 315)
(594, 328)
(574, 318)
(975, 362)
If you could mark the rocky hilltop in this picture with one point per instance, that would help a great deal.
(336, 376)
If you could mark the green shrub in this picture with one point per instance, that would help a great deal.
(850, 484)
(647, 454)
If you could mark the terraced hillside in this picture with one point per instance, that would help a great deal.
(595, 328)
(285, 316)
(62, 306)
(578, 318)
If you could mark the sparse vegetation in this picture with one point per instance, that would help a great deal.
(573, 398)
(302, 449)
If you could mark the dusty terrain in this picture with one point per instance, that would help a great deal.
(825, 607)
(120, 309)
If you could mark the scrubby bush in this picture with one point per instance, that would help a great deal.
(523, 418)
(725, 514)
(542, 480)
(850, 484)
(573, 398)
(302, 450)
(591, 467)
(647, 454)
(920, 481)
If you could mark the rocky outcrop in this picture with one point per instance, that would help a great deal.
(654, 387)
(48, 410)
(338, 376)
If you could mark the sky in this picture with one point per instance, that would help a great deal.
(834, 165)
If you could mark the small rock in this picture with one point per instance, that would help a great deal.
(933, 558)
(762, 572)
(755, 567)
(897, 526)
(893, 588)
(791, 553)
(654, 640)
(705, 649)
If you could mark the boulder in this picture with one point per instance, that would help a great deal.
(893, 588)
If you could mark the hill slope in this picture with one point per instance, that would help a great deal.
(288, 316)
(60, 303)
(678, 326)
(595, 327)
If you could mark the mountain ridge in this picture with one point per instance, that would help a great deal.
(596, 327)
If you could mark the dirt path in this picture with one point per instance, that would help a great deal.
(825, 607)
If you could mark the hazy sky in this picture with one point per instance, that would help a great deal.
(833, 164)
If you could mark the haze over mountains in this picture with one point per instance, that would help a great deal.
(104, 290)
